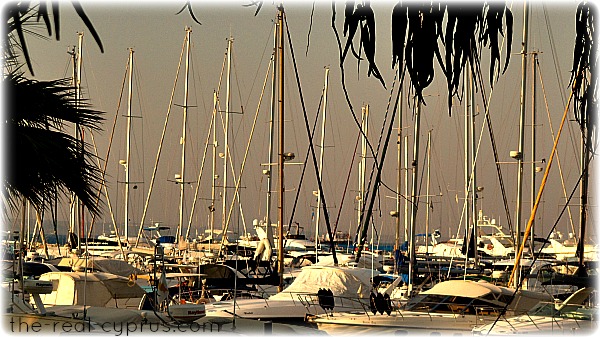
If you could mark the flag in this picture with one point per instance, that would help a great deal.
(162, 290)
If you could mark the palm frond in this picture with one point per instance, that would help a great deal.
(42, 156)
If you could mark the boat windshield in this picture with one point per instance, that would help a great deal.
(451, 304)
(548, 309)
(505, 241)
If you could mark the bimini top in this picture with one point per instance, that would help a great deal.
(467, 288)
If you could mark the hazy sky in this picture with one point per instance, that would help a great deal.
(156, 34)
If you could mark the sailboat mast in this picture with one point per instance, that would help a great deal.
(321, 163)
(128, 149)
(414, 197)
(471, 167)
(533, 136)
(188, 31)
(281, 147)
(398, 178)
(363, 162)
(268, 228)
(521, 131)
(214, 167)
(406, 201)
(80, 213)
(467, 164)
(586, 139)
(226, 139)
(427, 192)
(73, 199)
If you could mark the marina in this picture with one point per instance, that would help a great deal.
(256, 168)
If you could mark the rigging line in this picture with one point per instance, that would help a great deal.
(554, 53)
(346, 186)
(196, 78)
(304, 165)
(102, 183)
(110, 140)
(558, 73)
(375, 166)
(347, 96)
(364, 229)
(141, 99)
(237, 81)
(162, 138)
(262, 57)
(310, 140)
(198, 181)
(562, 180)
(543, 184)
(312, 13)
(537, 255)
(239, 179)
(493, 141)
(231, 165)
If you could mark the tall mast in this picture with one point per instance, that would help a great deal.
(413, 197)
(406, 201)
(128, 149)
(321, 163)
(268, 228)
(473, 168)
(470, 165)
(214, 167)
(79, 128)
(73, 199)
(399, 147)
(226, 139)
(188, 31)
(521, 132)
(363, 162)
(586, 139)
(281, 147)
(427, 192)
(76, 211)
(533, 135)
(467, 164)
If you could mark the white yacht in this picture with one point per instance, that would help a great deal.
(455, 306)
(548, 318)
(349, 289)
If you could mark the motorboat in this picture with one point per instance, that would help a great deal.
(348, 287)
(547, 318)
(454, 306)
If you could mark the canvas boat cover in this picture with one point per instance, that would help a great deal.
(343, 281)
(93, 289)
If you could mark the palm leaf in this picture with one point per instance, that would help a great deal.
(43, 156)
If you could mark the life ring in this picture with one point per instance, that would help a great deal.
(490, 246)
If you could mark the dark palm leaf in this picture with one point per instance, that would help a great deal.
(422, 46)
(362, 16)
(258, 5)
(188, 5)
(19, 13)
(43, 157)
(493, 23)
(43, 13)
(87, 22)
(367, 38)
(583, 73)
(399, 22)
(417, 26)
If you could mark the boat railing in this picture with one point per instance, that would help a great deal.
(196, 295)
(456, 309)
(311, 301)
